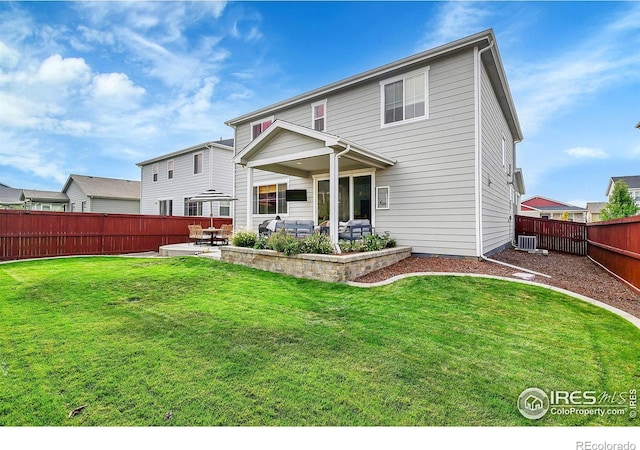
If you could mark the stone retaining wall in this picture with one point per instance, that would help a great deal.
(336, 268)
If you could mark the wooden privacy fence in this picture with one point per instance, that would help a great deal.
(36, 234)
(557, 235)
(616, 246)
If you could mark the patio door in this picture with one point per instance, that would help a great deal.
(354, 198)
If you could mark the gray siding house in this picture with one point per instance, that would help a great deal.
(36, 200)
(424, 147)
(102, 195)
(169, 181)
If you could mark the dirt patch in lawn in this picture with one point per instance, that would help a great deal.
(573, 273)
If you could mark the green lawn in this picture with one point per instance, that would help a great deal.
(218, 344)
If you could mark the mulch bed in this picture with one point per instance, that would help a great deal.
(573, 273)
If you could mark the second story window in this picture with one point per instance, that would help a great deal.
(404, 98)
(154, 171)
(170, 169)
(257, 128)
(197, 163)
(319, 115)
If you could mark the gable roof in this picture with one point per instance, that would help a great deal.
(43, 196)
(224, 144)
(632, 181)
(98, 187)
(347, 148)
(9, 195)
(491, 58)
(539, 203)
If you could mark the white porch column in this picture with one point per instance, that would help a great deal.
(334, 176)
(249, 198)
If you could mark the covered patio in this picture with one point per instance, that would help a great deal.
(298, 151)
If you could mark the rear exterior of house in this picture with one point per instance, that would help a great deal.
(547, 208)
(36, 200)
(424, 148)
(169, 181)
(102, 195)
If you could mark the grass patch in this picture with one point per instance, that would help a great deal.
(219, 344)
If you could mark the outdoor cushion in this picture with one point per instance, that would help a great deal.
(356, 229)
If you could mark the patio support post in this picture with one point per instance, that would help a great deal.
(334, 174)
(249, 198)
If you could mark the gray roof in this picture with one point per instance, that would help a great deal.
(9, 195)
(558, 208)
(44, 196)
(225, 144)
(98, 187)
(632, 181)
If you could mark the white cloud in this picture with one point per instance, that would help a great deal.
(454, 20)
(9, 57)
(28, 155)
(116, 87)
(603, 59)
(587, 153)
(58, 70)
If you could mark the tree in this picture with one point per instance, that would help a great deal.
(565, 215)
(620, 204)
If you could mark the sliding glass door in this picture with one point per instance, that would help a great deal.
(354, 198)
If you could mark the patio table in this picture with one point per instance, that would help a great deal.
(213, 232)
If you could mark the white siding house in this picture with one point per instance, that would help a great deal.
(102, 195)
(424, 147)
(169, 181)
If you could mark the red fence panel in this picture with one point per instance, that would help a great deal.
(36, 234)
(615, 244)
(556, 235)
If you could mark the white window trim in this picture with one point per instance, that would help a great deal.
(379, 191)
(193, 163)
(351, 174)
(174, 169)
(261, 121)
(313, 117)
(404, 76)
(268, 183)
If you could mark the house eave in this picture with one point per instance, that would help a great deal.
(481, 39)
(194, 148)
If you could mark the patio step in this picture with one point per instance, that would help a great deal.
(190, 249)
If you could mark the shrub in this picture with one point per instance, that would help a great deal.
(279, 241)
(244, 238)
(374, 242)
(369, 243)
(261, 244)
(317, 243)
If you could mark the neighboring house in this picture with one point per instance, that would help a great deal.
(10, 197)
(425, 148)
(546, 208)
(169, 181)
(593, 211)
(44, 200)
(634, 186)
(102, 195)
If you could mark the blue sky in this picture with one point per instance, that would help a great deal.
(92, 88)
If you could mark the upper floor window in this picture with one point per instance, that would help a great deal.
(197, 163)
(319, 115)
(154, 171)
(257, 128)
(404, 98)
(170, 169)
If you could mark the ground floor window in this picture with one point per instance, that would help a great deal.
(225, 208)
(354, 198)
(166, 207)
(192, 208)
(270, 199)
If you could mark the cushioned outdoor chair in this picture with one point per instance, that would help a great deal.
(356, 229)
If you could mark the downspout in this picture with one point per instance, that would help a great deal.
(479, 183)
(478, 158)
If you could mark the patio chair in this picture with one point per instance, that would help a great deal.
(263, 231)
(225, 234)
(198, 235)
(356, 229)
